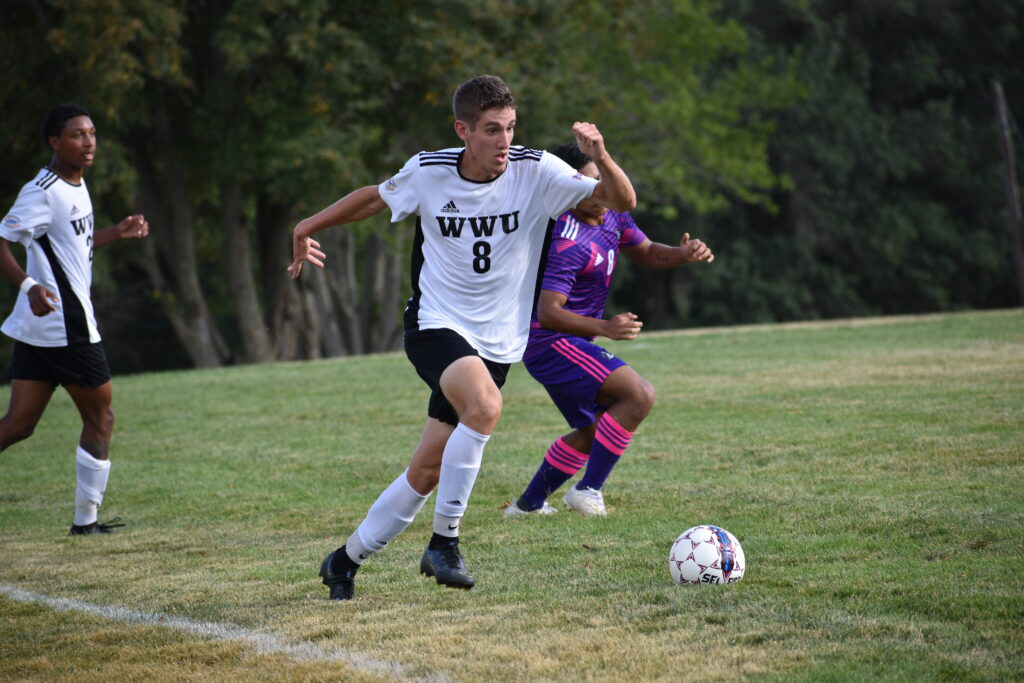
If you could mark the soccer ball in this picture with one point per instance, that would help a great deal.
(706, 554)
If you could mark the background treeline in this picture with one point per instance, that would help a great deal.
(840, 157)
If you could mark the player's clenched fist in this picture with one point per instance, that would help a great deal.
(694, 250)
(41, 300)
(589, 140)
(133, 226)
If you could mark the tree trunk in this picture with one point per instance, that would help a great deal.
(344, 288)
(171, 261)
(253, 330)
(394, 294)
(290, 317)
(332, 341)
(383, 288)
(1010, 187)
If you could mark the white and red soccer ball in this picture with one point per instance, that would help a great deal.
(706, 554)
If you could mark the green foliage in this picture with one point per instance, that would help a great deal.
(895, 202)
(698, 115)
(840, 158)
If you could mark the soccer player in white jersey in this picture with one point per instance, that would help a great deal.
(481, 211)
(55, 333)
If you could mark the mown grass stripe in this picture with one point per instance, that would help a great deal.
(262, 643)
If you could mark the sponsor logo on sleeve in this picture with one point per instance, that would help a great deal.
(11, 221)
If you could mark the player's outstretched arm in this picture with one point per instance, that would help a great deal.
(660, 256)
(551, 314)
(614, 191)
(355, 206)
(134, 226)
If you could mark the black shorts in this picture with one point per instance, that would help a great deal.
(431, 352)
(83, 364)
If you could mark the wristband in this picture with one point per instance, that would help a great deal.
(27, 284)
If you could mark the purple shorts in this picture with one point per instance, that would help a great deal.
(573, 369)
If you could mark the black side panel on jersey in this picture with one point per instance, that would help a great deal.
(75, 325)
(543, 262)
(412, 308)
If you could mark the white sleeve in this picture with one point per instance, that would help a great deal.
(564, 187)
(399, 191)
(29, 217)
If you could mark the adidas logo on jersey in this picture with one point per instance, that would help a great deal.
(74, 210)
(449, 208)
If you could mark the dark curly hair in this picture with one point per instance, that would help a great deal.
(53, 122)
(572, 155)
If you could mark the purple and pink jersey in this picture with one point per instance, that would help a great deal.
(580, 264)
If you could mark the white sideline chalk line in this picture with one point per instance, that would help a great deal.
(263, 643)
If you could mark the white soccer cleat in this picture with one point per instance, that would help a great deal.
(545, 509)
(588, 502)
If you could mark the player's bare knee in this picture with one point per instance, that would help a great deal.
(100, 426)
(423, 478)
(483, 415)
(18, 432)
(646, 398)
(640, 399)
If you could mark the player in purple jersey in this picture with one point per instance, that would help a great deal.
(602, 398)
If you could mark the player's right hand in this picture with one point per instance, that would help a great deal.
(623, 326)
(41, 301)
(305, 249)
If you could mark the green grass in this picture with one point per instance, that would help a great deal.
(871, 469)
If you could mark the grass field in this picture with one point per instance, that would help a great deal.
(872, 470)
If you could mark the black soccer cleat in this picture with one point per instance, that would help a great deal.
(96, 528)
(446, 565)
(342, 585)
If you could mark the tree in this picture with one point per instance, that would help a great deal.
(226, 122)
(895, 202)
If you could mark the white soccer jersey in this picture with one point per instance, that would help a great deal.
(53, 220)
(478, 244)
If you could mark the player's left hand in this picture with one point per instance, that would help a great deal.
(694, 250)
(133, 226)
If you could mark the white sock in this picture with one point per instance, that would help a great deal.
(393, 510)
(459, 467)
(92, 475)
